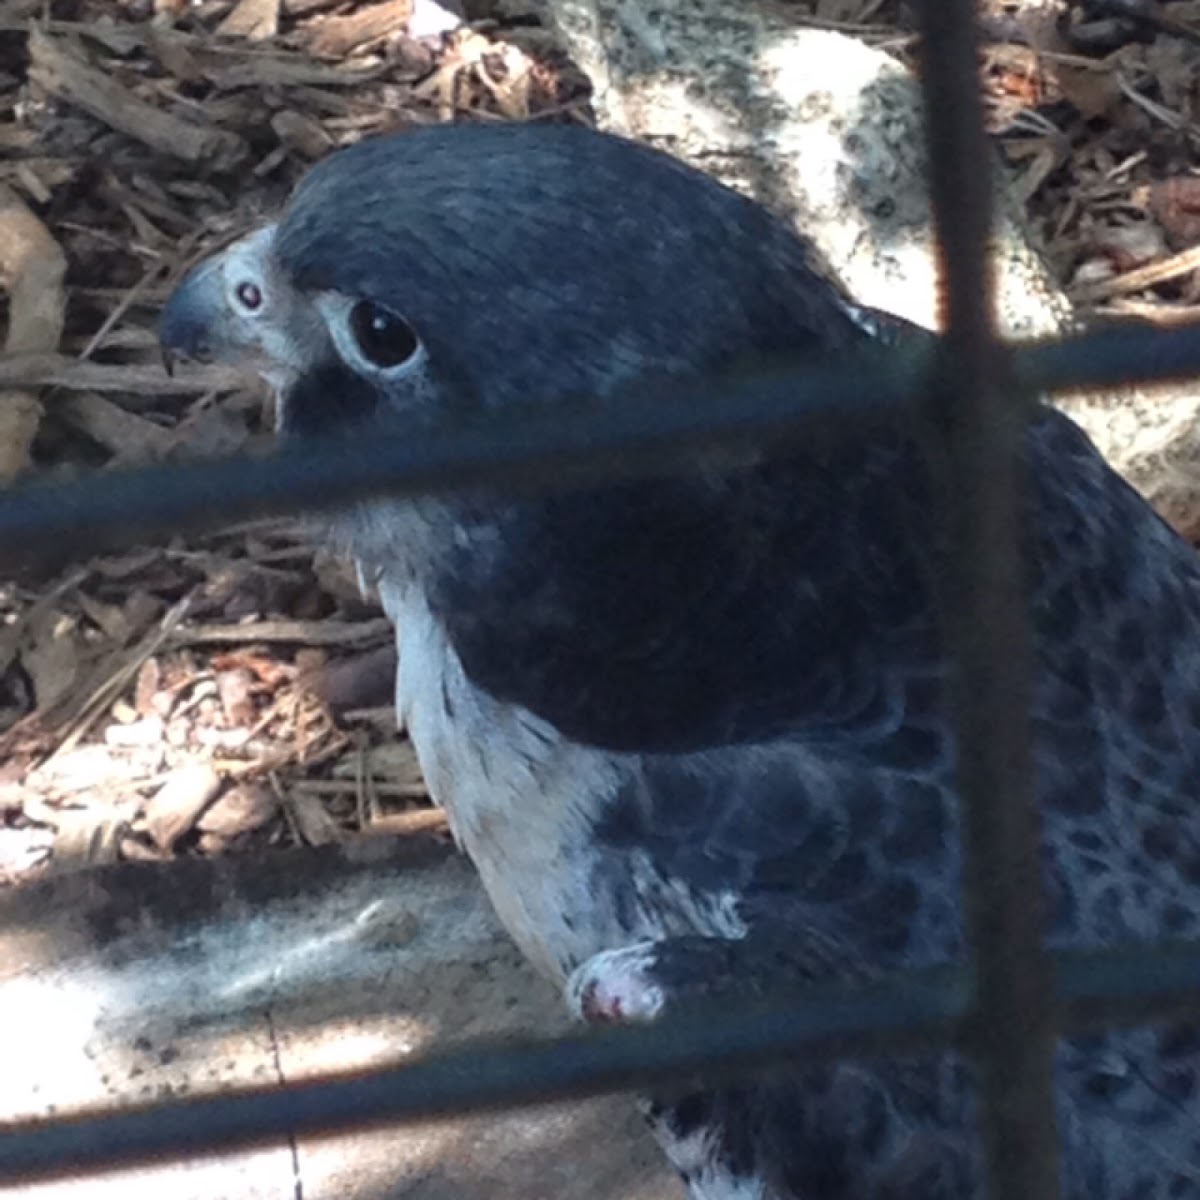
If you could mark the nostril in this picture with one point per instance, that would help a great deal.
(183, 333)
(172, 356)
(191, 322)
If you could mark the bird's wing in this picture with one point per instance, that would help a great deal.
(767, 644)
(677, 614)
(799, 598)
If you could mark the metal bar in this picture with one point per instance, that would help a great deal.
(1004, 1010)
(921, 1012)
(647, 429)
(914, 1011)
(972, 406)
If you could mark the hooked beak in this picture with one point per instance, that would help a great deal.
(190, 324)
(200, 322)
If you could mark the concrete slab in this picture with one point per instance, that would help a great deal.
(144, 980)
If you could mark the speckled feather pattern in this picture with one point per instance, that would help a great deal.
(705, 715)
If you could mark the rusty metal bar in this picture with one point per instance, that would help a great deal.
(977, 422)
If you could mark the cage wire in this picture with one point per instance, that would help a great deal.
(1006, 1006)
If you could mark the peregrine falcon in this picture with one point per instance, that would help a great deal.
(693, 729)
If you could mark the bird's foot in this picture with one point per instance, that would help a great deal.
(617, 986)
(640, 982)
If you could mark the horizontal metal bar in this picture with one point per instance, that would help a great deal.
(645, 431)
(646, 428)
(918, 1011)
(1116, 355)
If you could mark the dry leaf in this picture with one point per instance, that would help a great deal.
(1176, 203)
(32, 267)
(236, 691)
(313, 822)
(176, 806)
(1094, 91)
(241, 809)
(88, 837)
(51, 658)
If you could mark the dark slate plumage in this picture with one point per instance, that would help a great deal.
(693, 730)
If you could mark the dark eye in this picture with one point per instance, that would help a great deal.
(384, 339)
(249, 295)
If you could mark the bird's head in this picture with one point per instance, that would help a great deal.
(457, 271)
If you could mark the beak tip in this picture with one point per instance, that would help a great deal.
(186, 325)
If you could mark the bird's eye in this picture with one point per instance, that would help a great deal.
(383, 338)
(249, 295)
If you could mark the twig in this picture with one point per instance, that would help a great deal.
(112, 687)
(60, 370)
(1158, 314)
(123, 305)
(32, 267)
(335, 37)
(1167, 116)
(62, 73)
(122, 433)
(1141, 278)
(255, 20)
(350, 787)
(415, 820)
(311, 633)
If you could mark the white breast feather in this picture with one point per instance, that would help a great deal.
(523, 802)
(520, 798)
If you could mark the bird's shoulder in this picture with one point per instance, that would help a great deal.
(690, 611)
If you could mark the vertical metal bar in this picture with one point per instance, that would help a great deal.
(978, 425)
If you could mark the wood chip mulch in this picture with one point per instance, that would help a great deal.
(231, 692)
(234, 692)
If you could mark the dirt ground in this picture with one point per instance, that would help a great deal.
(230, 695)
